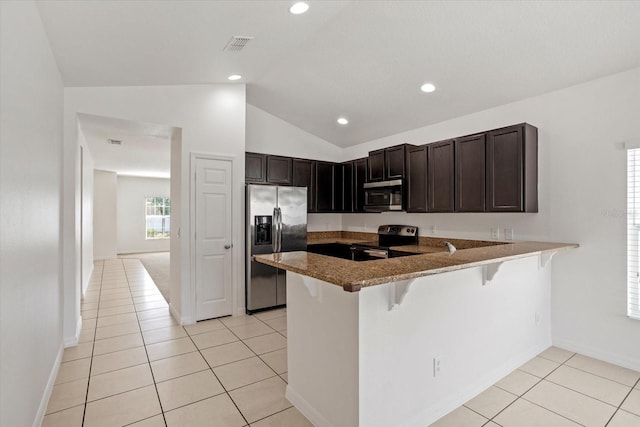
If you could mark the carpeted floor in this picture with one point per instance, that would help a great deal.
(157, 264)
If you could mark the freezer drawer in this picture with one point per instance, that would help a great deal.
(261, 290)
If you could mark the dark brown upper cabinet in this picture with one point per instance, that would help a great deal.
(255, 167)
(387, 164)
(394, 158)
(416, 182)
(325, 187)
(470, 173)
(344, 187)
(376, 166)
(304, 175)
(279, 170)
(359, 178)
(512, 169)
(441, 171)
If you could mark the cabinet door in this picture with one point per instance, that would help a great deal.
(441, 176)
(255, 167)
(470, 173)
(347, 201)
(338, 190)
(416, 182)
(394, 162)
(279, 170)
(304, 176)
(504, 170)
(324, 187)
(376, 166)
(359, 178)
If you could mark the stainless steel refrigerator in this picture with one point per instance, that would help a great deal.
(276, 222)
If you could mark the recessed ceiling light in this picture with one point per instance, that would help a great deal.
(343, 121)
(427, 87)
(299, 8)
(233, 77)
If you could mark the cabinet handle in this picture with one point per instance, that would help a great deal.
(228, 246)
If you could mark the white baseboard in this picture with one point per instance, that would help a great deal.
(85, 286)
(598, 353)
(306, 409)
(187, 320)
(443, 407)
(73, 341)
(439, 409)
(42, 409)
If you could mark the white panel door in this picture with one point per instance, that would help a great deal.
(213, 222)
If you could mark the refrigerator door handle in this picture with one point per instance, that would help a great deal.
(279, 230)
(274, 231)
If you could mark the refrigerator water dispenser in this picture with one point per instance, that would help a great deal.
(263, 229)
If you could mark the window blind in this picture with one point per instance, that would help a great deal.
(633, 232)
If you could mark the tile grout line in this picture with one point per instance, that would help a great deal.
(199, 350)
(93, 345)
(216, 376)
(529, 389)
(619, 408)
(153, 378)
(578, 392)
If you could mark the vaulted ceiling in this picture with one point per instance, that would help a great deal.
(364, 60)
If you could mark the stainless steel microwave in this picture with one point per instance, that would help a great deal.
(383, 196)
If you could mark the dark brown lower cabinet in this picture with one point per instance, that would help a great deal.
(470, 173)
(324, 187)
(441, 171)
(304, 175)
(416, 182)
(512, 169)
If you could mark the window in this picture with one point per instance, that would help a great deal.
(633, 232)
(158, 214)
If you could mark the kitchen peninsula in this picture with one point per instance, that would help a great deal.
(413, 337)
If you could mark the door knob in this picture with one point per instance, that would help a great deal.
(228, 246)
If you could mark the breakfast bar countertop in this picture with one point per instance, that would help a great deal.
(433, 259)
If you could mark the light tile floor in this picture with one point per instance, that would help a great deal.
(134, 365)
(556, 388)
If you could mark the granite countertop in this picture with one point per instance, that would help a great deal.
(353, 275)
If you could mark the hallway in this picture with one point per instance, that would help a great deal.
(134, 365)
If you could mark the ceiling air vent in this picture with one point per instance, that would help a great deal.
(114, 141)
(237, 43)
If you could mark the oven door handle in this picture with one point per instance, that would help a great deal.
(377, 253)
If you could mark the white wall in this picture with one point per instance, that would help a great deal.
(212, 120)
(30, 198)
(131, 217)
(582, 199)
(87, 212)
(269, 134)
(105, 212)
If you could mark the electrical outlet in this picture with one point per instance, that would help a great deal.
(508, 233)
(432, 229)
(436, 366)
(537, 318)
(495, 233)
